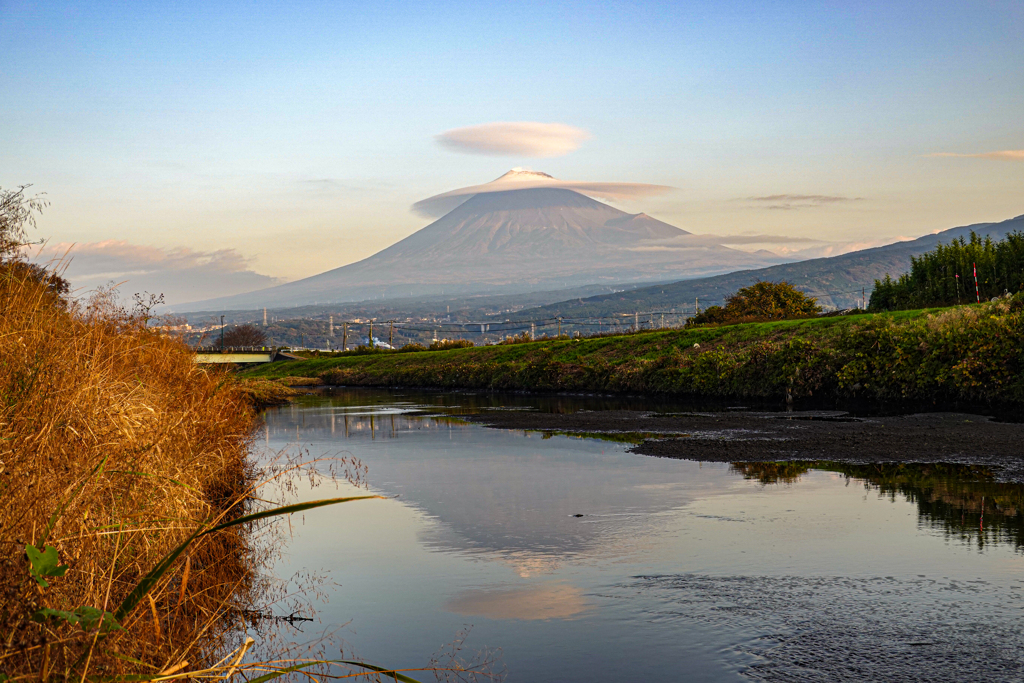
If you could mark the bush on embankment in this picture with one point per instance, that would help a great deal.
(115, 447)
(969, 353)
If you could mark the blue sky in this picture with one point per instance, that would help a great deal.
(299, 134)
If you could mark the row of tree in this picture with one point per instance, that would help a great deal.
(946, 275)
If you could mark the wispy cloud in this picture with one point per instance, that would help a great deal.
(790, 202)
(515, 138)
(1004, 155)
(181, 274)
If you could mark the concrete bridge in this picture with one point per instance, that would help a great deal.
(242, 354)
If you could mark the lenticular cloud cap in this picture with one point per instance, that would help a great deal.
(525, 179)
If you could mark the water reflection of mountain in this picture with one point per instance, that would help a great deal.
(962, 501)
(500, 490)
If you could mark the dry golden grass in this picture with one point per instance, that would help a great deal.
(115, 447)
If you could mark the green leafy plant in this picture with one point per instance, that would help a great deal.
(88, 618)
(44, 563)
(150, 579)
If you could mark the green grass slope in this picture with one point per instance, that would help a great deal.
(973, 353)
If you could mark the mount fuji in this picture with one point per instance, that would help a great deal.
(525, 231)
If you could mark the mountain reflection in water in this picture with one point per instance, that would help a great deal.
(582, 561)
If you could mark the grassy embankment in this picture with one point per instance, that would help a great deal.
(969, 353)
(115, 449)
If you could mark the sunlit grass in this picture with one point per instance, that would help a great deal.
(946, 354)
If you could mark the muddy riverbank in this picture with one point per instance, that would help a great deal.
(746, 436)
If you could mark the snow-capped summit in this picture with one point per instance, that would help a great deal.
(520, 174)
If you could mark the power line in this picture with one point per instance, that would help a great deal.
(621, 320)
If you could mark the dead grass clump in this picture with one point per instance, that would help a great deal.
(953, 318)
(286, 382)
(115, 448)
(263, 393)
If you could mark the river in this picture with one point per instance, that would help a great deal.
(582, 561)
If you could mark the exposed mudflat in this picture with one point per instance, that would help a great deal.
(745, 436)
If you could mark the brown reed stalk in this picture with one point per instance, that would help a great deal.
(114, 448)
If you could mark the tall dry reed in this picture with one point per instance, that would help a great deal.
(115, 447)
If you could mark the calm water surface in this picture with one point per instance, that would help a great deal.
(676, 570)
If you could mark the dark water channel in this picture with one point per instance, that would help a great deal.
(583, 562)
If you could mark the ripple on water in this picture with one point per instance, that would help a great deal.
(855, 629)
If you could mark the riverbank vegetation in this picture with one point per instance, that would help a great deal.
(115, 448)
(942, 356)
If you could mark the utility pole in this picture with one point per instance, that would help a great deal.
(533, 331)
(559, 326)
(332, 326)
(662, 321)
(636, 321)
(391, 335)
(222, 333)
(370, 338)
(696, 306)
(863, 298)
(344, 336)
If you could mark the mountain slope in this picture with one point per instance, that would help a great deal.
(837, 281)
(513, 240)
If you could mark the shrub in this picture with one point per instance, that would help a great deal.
(521, 338)
(363, 350)
(445, 344)
(770, 301)
(760, 302)
(714, 315)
